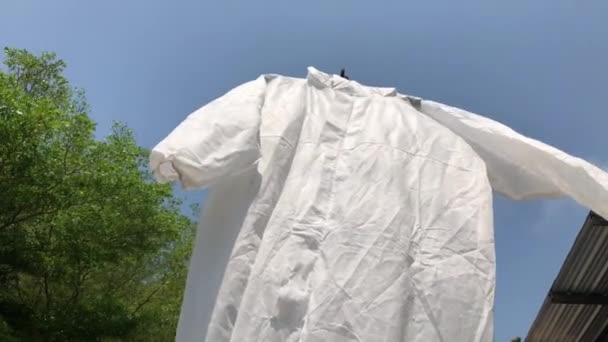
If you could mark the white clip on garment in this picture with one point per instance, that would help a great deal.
(340, 212)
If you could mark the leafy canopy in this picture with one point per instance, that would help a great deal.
(91, 248)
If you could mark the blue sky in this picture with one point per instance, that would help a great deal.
(540, 67)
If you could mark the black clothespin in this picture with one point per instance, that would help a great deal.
(343, 74)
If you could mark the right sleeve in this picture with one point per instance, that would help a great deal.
(217, 140)
(523, 168)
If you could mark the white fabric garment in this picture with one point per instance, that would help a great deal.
(340, 212)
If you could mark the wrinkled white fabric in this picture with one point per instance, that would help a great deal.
(340, 212)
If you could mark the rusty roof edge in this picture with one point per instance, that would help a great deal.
(574, 250)
(597, 219)
(590, 220)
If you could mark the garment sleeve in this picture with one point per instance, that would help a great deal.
(523, 168)
(219, 139)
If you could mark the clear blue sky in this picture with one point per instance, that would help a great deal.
(539, 66)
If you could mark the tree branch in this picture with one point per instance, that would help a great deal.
(47, 294)
(147, 300)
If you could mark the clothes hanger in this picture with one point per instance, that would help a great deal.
(343, 74)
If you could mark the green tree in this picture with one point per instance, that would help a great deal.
(91, 248)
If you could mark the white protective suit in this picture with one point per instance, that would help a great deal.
(340, 212)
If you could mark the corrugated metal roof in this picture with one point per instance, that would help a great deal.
(576, 308)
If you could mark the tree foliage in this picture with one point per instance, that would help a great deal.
(91, 248)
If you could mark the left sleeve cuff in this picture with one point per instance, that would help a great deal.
(166, 173)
